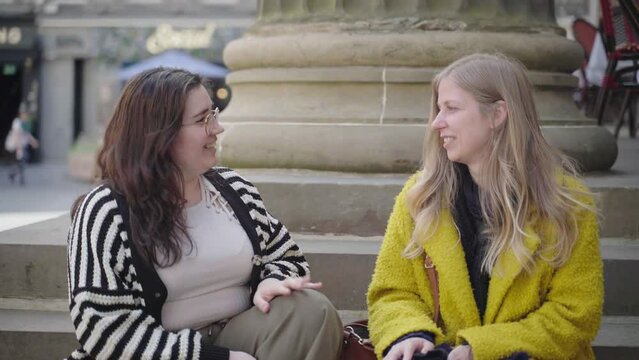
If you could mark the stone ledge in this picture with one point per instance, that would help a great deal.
(302, 48)
(381, 148)
(372, 74)
(620, 332)
(37, 269)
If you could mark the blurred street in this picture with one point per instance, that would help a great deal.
(48, 192)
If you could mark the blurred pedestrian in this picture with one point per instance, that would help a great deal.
(22, 139)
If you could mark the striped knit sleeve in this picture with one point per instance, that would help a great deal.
(281, 256)
(105, 297)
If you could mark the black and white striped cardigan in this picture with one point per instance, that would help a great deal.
(115, 298)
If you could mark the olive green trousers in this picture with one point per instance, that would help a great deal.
(301, 326)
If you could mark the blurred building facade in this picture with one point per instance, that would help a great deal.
(60, 57)
(566, 11)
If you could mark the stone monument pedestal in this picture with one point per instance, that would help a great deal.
(345, 85)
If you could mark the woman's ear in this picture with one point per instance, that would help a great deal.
(500, 114)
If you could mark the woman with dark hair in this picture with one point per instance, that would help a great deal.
(506, 222)
(169, 253)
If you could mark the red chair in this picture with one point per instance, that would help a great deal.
(584, 33)
(619, 41)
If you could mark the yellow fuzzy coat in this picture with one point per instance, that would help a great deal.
(549, 314)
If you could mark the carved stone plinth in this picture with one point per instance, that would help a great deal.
(345, 85)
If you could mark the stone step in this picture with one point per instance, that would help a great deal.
(618, 336)
(34, 265)
(46, 332)
(359, 204)
(33, 260)
(345, 264)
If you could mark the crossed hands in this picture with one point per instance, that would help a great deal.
(271, 288)
(405, 350)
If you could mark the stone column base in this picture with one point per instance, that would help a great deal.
(372, 119)
(376, 148)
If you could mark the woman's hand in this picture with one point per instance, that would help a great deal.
(462, 352)
(238, 355)
(404, 350)
(270, 288)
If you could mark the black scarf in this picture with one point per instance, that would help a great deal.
(470, 221)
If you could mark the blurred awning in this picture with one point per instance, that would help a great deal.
(175, 59)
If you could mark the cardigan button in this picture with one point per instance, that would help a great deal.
(157, 295)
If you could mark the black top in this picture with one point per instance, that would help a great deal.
(470, 221)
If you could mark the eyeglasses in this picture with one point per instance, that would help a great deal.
(210, 121)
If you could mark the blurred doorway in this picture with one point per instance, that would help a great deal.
(10, 98)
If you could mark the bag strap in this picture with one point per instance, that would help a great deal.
(433, 279)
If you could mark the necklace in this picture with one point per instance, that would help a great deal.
(213, 199)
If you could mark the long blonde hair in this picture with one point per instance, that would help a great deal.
(524, 175)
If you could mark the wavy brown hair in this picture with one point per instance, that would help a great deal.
(526, 178)
(135, 161)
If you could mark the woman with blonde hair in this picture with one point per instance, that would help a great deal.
(502, 216)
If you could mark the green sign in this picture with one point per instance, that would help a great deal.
(9, 69)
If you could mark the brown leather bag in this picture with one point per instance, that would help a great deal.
(357, 344)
